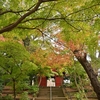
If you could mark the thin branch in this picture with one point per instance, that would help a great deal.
(71, 25)
(27, 28)
(12, 11)
(49, 19)
(81, 20)
(47, 14)
(5, 69)
(83, 9)
(47, 0)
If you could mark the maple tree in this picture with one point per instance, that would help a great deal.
(76, 20)
(15, 66)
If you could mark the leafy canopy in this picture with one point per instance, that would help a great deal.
(15, 60)
(75, 21)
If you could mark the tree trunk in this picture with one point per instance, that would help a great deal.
(90, 72)
(14, 89)
(31, 81)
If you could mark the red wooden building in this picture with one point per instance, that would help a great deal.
(58, 81)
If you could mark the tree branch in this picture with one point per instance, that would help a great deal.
(49, 19)
(71, 25)
(13, 25)
(83, 9)
(12, 11)
(47, 0)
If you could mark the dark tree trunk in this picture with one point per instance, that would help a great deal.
(14, 89)
(90, 72)
(31, 81)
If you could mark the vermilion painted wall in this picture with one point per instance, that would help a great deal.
(58, 80)
(43, 81)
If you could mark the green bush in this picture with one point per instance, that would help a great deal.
(34, 89)
(8, 97)
(24, 96)
(1, 87)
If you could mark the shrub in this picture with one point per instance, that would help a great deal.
(7, 97)
(24, 96)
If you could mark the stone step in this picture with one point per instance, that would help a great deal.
(44, 93)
